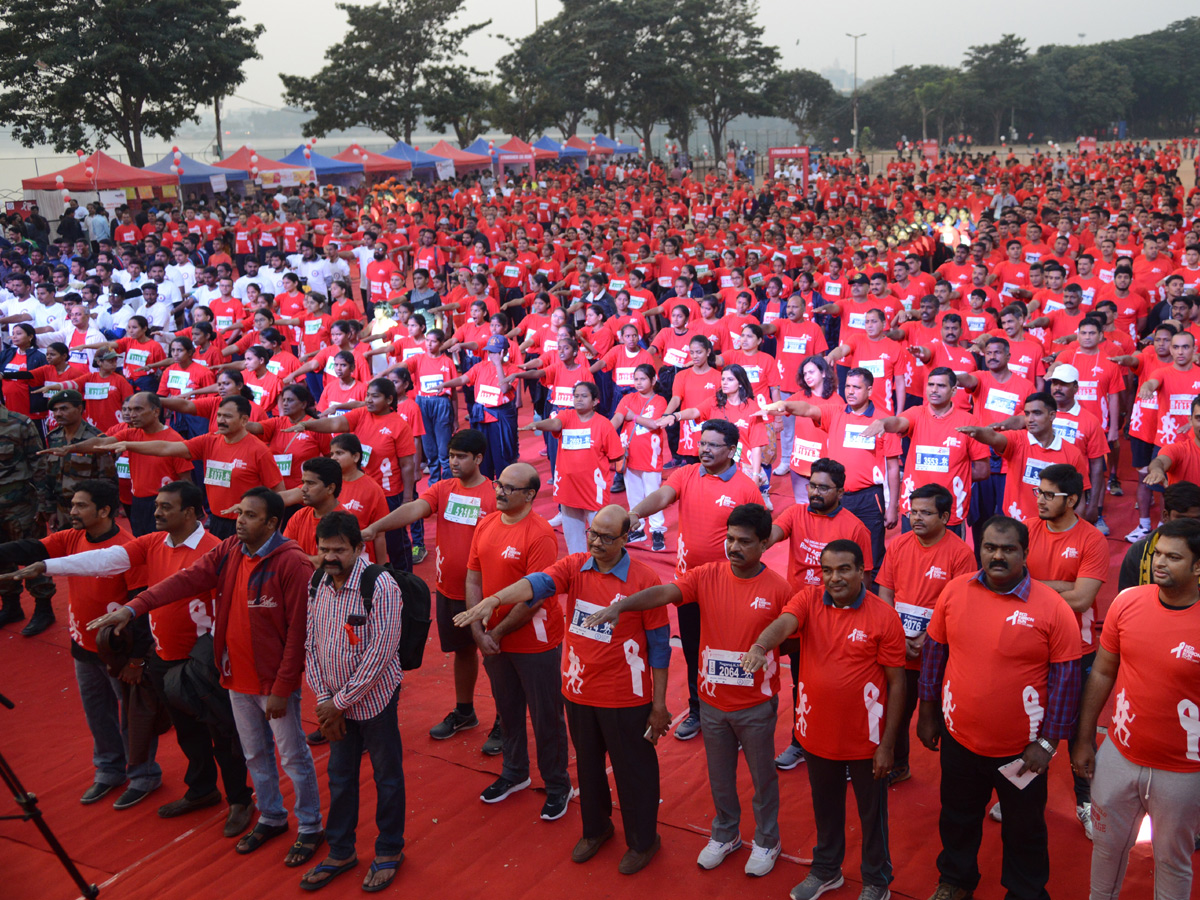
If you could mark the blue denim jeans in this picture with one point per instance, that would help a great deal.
(260, 736)
(435, 442)
(381, 737)
(108, 721)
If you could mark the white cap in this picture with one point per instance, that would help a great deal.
(1066, 374)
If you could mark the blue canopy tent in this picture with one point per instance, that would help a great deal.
(322, 165)
(419, 158)
(563, 151)
(194, 171)
(616, 147)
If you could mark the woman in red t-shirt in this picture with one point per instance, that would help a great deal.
(346, 390)
(645, 445)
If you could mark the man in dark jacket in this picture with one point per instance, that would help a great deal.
(260, 584)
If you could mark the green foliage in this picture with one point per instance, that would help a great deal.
(79, 73)
(381, 73)
(802, 97)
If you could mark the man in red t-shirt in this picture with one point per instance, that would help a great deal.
(738, 598)
(848, 713)
(460, 503)
(522, 648)
(615, 683)
(998, 690)
(1148, 655)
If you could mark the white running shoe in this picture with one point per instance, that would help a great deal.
(1083, 812)
(762, 859)
(556, 520)
(714, 852)
(1137, 534)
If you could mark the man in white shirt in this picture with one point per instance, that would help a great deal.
(364, 254)
(113, 319)
(271, 278)
(311, 268)
(339, 269)
(181, 273)
(48, 314)
(78, 331)
(205, 290)
(167, 291)
(131, 277)
(251, 277)
(158, 313)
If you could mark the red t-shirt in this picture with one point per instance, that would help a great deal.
(177, 625)
(148, 473)
(292, 449)
(607, 666)
(91, 596)
(503, 553)
(429, 373)
(1176, 391)
(1026, 458)
(644, 447)
(841, 712)
(865, 459)
(733, 613)
(458, 509)
(239, 642)
(385, 440)
(807, 533)
(693, 389)
(231, 469)
(996, 687)
(364, 499)
(939, 454)
(705, 502)
(586, 451)
(916, 575)
(996, 401)
(1156, 721)
(1079, 552)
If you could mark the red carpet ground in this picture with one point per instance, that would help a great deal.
(457, 846)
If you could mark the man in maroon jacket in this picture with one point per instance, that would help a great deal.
(260, 585)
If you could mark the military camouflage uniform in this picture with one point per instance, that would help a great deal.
(24, 492)
(65, 472)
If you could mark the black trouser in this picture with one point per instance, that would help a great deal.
(595, 732)
(533, 682)
(689, 637)
(141, 516)
(207, 747)
(220, 527)
(827, 778)
(968, 780)
(903, 742)
(867, 504)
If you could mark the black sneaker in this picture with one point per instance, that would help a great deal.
(494, 745)
(636, 536)
(452, 724)
(501, 788)
(659, 543)
(315, 738)
(419, 554)
(555, 806)
(688, 728)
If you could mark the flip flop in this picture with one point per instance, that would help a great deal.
(305, 847)
(259, 836)
(382, 866)
(333, 869)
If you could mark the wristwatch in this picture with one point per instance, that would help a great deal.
(1045, 745)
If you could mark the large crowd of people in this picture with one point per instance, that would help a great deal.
(232, 428)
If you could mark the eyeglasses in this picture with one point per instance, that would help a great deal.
(606, 539)
(1038, 492)
(710, 445)
(508, 489)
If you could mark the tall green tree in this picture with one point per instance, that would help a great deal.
(802, 97)
(378, 75)
(1001, 74)
(935, 90)
(539, 83)
(78, 73)
(1101, 91)
(458, 100)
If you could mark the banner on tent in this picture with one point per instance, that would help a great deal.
(800, 154)
(445, 169)
(930, 149)
(217, 183)
(286, 177)
(112, 199)
(20, 207)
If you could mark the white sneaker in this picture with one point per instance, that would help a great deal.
(781, 469)
(1083, 813)
(556, 520)
(994, 812)
(1102, 526)
(762, 859)
(1137, 534)
(714, 852)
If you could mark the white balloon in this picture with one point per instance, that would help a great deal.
(58, 179)
(254, 170)
(253, 157)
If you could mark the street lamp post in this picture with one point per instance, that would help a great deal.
(854, 100)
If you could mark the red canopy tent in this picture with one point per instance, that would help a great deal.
(461, 158)
(295, 175)
(375, 163)
(241, 160)
(593, 149)
(516, 145)
(107, 174)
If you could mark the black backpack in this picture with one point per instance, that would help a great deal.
(414, 616)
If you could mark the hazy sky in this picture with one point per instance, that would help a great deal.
(809, 35)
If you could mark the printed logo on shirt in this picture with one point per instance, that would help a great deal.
(510, 553)
(856, 636)
(935, 572)
(263, 603)
(1187, 652)
(725, 500)
(760, 603)
(1020, 618)
(1070, 553)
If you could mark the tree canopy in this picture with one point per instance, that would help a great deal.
(77, 73)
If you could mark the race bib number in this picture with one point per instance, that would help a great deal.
(275, 368)
(797, 344)
(913, 619)
(636, 302)
(1066, 429)
(488, 395)
(858, 320)
(329, 367)
(409, 352)
(123, 467)
(1010, 289)
(854, 440)
(577, 438)
(284, 462)
(431, 384)
(675, 357)
(224, 322)
(1004, 402)
(258, 391)
(755, 279)
(218, 474)
(976, 324)
(178, 380)
(366, 454)
(874, 366)
(512, 272)
(1087, 391)
(563, 396)
(754, 373)
(664, 281)
(96, 390)
(462, 509)
(624, 376)
(806, 452)
(602, 633)
(312, 326)
(137, 358)
(833, 290)
(725, 667)
(1033, 470)
(931, 458)
(1181, 404)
